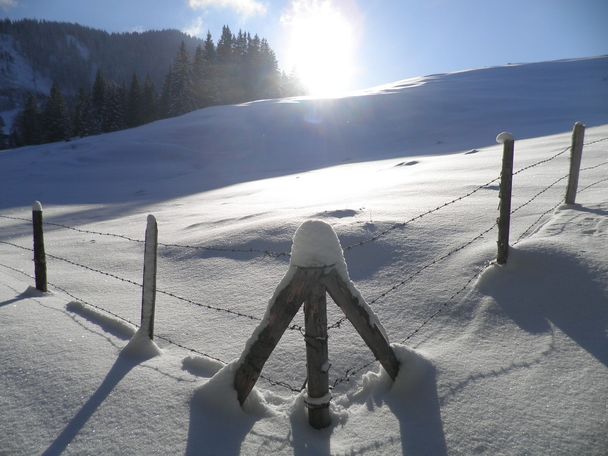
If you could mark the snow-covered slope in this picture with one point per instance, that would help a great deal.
(496, 359)
(17, 77)
(223, 145)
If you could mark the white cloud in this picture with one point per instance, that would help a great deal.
(6, 4)
(242, 7)
(196, 28)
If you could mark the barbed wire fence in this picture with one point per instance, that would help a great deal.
(351, 371)
(268, 253)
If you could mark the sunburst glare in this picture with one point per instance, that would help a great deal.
(321, 47)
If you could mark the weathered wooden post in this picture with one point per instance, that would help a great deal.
(506, 185)
(576, 153)
(148, 298)
(317, 363)
(317, 267)
(39, 255)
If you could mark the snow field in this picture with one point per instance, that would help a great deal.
(513, 364)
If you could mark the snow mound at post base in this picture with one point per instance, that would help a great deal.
(141, 347)
(219, 394)
(413, 368)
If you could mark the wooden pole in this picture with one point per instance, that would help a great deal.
(506, 185)
(39, 254)
(576, 153)
(148, 299)
(317, 360)
(363, 321)
(283, 308)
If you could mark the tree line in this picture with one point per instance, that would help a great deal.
(239, 68)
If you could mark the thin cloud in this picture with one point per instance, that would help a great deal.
(196, 28)
(7, 4)
(242, 7)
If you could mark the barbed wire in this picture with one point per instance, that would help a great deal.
(353, 370)
(349, 372)
(63, 290)
(261, 252)
(539, 193)
(561, 152)
(418, 271)
(21, 219)
(98, 271)
(528, 230)
(16, 245)
(593, 184)
(73, 263)
(167, 339)
(88, 303)
(18, 270)
(595, 141)
(540, 162)
(594, 166)
(293, 327)
(419, 216)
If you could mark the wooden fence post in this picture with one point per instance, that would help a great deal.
(309, 282)
(506, 185)
(576, 152)
(148, 298)
(317, 364)
(39, 255)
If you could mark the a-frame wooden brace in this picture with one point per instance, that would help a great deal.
(309, 285)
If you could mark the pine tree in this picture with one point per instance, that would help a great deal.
(55, 117)
(134, 110)
(225, 45)
(240, 47)
(98, 101)
(28, 127)
(149, 103)
(268, 71)
(210, 51)
(199, 67)
(99, 90)
(83, 119)
(165, 97)
(3, 135)
(181, 90)
(114, 108)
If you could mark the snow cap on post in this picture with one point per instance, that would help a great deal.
(37, 206)
(315, 244)
(504, 137)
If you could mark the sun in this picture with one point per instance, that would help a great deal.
(320, 49)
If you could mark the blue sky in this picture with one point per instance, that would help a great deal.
(391, 39)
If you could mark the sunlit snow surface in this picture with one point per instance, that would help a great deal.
(516, 363)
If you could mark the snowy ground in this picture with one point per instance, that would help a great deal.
(514, 363)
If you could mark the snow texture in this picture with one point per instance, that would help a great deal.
(515, 363)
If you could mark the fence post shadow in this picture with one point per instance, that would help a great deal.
(306, 440)
(122, 366)
(532, 304)
(214, 431)
(419, 415)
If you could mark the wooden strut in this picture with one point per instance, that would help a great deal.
(309, 286)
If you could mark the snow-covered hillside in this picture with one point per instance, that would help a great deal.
(17, 77)
(495, 359)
